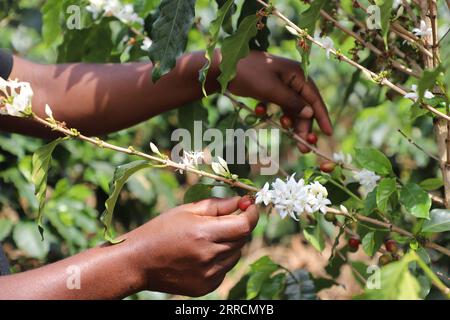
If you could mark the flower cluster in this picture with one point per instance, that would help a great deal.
(17, 98)
(293, 197)
(115, 8)
(191, 159)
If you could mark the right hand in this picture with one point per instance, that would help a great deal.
(189, 249)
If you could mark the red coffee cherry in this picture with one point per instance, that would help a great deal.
(391, 246)
(353, 244)
(311, 138)
(286, 122)
(261, 110)
(245, 202)
(327, 167)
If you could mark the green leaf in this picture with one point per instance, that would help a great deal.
(197, 192)
(213, 37)
(301, 286)
(308, 20)
(396, 283)
(93, 45)
(170, 34)
(373, 160)
(385, 15)
(261, 270)
(439, 221)
(431, 184)
(273, 287)
(239, 291)
(234, 48)
(309, 17)
(372, 241)
(314, 235)
(187, 116)
(416, 200)
(261, 40)
(51, 13)
(5, 228)
(121, 175)
(386, 188)
(371, 202)
(41, 162)
(27, 238)
(428, 80)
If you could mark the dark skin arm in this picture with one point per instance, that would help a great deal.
(159, 256)
(101, 98)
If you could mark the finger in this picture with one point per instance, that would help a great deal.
(302, 129)
(224, 248)
(304, 126)
(234, 227)
(214, 206)
(285, 97)
(223, 265)
(311, 94)
(308, 91)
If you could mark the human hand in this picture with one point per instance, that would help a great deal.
(274, 79)
(189, 249)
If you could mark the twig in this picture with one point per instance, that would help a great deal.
(369, 45)
(417, 146)
(169, 163)
(239, 105)
(391, 227)
(355, 271)
(131, 151)
(403, 33)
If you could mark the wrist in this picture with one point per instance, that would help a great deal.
(195, 62)
(133, 276)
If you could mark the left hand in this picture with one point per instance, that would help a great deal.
(269, 78)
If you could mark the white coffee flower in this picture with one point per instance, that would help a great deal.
(191, 159)
(367, 179)
(264, 195)
(22, 40)
(146, 44)
(396, 4)
(48, 111)
(292, 31)
(423, 31)
(127, 15)
(220, 167)
(96, 7)
(293, 197)
(343, 209)
(18, 97)
(342, 157)
(115, 8)
(413, 95)
(328, 45)
(154, 148)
